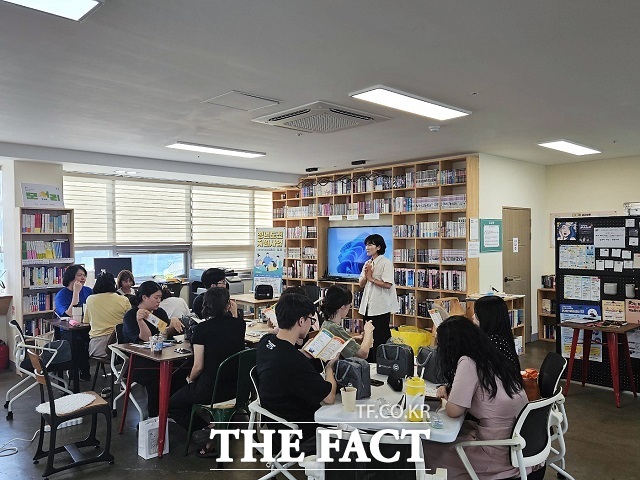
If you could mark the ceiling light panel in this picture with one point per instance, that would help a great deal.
(407, 102)
(242, 101)
(72, 9)
(195, 147)
(569, 147)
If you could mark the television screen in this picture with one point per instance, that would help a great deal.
(112, 265)
(346, 251)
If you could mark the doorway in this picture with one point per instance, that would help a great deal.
(516, 258)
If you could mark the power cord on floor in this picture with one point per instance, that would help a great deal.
(8, 451)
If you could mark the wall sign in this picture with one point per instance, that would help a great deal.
(34, 195)
(490, 235)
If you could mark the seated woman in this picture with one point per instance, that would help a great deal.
(492, 316)
(75, 293)
(125, 284)
(174, 306)
(105, 309)
(213, 341)
(140, 323)
(482, 383)
(335, 306)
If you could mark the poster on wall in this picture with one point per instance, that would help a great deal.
(559, 230)
(490, 235)
(580, 313)
(35, 195)
(268, 258)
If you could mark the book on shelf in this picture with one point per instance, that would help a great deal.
(325, 345)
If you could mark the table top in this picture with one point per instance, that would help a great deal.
(250, 299)
(590, 326)
(167, 354)
(64, 324)
(335, 415)
(255, 331)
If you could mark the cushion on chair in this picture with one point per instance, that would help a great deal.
(67, 404)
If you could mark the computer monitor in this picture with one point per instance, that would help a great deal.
(113, 265)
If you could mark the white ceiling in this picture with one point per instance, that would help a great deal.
(132, 77)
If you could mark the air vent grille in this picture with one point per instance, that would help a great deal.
(320, 117)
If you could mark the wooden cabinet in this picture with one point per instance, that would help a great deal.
(427, 203)
(516, 307)
(46, 237)
(547, 319)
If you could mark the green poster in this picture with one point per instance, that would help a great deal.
(490, 235)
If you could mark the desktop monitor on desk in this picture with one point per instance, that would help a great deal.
(113, 265)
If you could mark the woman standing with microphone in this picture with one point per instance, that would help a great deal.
(379, 298)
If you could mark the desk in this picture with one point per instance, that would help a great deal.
(78, 338)
(613, 334)
(165, 359)
(335, 415)
(248, 299)
(254, 333)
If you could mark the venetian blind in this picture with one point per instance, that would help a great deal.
(93, 204)
(223, 225)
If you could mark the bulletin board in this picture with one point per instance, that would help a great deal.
(598, 275)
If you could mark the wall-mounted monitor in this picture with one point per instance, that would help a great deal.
(346, 250)
(113, 265)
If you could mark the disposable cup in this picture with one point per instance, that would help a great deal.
(348, 399)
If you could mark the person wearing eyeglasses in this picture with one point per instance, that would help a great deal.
(288, 384)
(336, 306)
(211, 277)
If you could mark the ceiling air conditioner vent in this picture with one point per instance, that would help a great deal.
(320, 117)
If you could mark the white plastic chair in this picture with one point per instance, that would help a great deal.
(119, 370)
(36, 344)
(530, 442)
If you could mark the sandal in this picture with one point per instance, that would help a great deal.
(207, 451)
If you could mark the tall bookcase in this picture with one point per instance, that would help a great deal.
(547, 321)
(428, 203)
(46, 238)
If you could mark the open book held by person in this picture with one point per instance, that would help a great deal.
(326, 345)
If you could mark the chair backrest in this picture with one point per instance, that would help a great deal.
(246, 360)
(389, 446)
(42, 377)
(533, 426)
(550, 372)
(118, 332)
(16, 325)
(254, 381)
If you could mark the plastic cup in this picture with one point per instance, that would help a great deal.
(348, 399)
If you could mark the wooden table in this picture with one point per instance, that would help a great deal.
(613, 334)
(255, 332)
(165, 359)
(248, 299)
(78, 338)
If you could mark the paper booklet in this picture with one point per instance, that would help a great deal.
(157, 322)
(436, 318)
(325, 345)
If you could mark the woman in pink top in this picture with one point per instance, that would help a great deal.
(481, 383)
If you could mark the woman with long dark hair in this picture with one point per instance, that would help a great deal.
(492, 316)
(481, 383)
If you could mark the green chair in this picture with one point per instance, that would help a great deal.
(222, 412)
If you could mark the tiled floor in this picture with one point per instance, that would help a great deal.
(602, 440)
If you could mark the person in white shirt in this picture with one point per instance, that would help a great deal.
(379, 298)
(174, 306)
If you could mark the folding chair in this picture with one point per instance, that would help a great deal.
(530, 442)
(222, 412)
(54, 412)
(23, 365)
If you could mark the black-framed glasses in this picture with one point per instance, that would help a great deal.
(222, 283)
(312, 318)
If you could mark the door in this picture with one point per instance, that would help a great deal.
(516, 258)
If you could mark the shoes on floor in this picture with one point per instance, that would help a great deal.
(85, 377)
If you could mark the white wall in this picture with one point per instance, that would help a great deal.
(596, 186)
(510, 183)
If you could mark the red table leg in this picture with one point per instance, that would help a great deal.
(572, 357)
(165, 392)
(586, 351)
(612, 344)
(125, 400)
(627, 357)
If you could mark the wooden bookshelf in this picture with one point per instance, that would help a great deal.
(427, 202)
(516, 307)
(46, 239)
(547, 319)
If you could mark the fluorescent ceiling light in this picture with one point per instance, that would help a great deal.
(132, 173)
(569, 147)
(120, 172)
(194, 147)
(409, 103)
(72, 9)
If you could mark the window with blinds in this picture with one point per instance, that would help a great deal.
(217, 223)
(223, 225)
